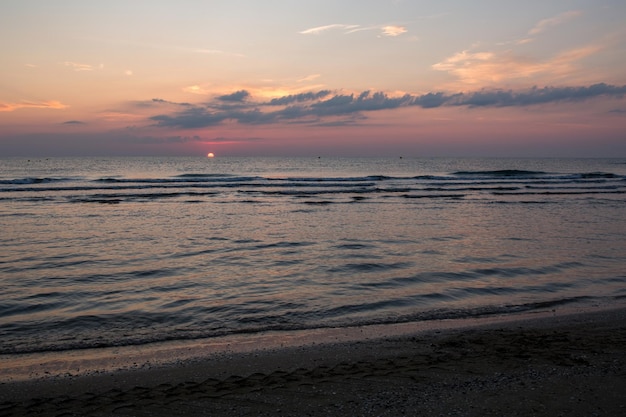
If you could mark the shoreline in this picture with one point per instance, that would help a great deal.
(571, 362)
(107, 360)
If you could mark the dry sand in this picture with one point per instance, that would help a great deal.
(565, 365)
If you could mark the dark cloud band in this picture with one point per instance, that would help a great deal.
(318, 107)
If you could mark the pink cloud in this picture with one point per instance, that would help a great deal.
(52, 104)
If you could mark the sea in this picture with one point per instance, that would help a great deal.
(109, 252)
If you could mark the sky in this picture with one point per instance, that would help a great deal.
(325, 78)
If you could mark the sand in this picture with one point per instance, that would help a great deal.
(552, 364)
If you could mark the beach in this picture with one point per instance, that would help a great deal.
(547, 364)
(394, 208)
(312, 286)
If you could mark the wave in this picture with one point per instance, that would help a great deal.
(417, 196)
(501, 173)
(455, 185)
(525, 175)
(599, 175)
(560, 192)
(85, 332)
(33, 180)
(206, 175)
(190, 255)
(216, 178)
(118, 198)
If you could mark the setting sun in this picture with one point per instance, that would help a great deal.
(210, 155)
(540, 79)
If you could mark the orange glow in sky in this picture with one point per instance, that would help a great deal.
(350, 78)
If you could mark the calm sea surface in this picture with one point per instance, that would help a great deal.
(124, 251)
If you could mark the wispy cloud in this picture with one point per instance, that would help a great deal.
(309, 78)
(160, 100)
(393, 30)
(198, 89)
(51, 104)
(545, 24)
(385, 30)
(76, 66)
(320, 29)
(323, 108)
(485, 67)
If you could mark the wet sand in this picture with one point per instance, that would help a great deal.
(548, 365)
